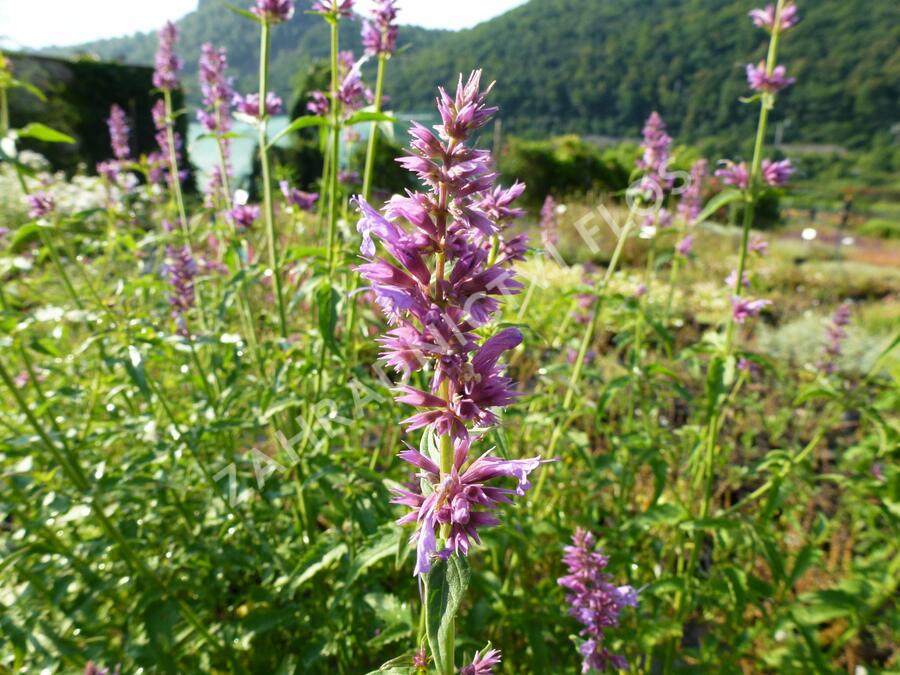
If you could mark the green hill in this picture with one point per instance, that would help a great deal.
(600, 66)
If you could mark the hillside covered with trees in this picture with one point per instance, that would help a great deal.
(600, 66)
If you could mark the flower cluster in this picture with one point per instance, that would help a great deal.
(482, 663)
(835, 335)
(181, 270)
(159, 161)
(305, 201)
(273, 11)
(745, 308)
(379, 36)
(336, 8)
(496, 204)
(775, 174)
(765, 18)
(40, 204)
(759, 78)
(249, 104)
(118, 133)
(692, 198)
(165, 76)
(654, 161)
(549, 223)
(434, 310)
(352, 92)
(595, 602)
(217, 90)
(244, 215)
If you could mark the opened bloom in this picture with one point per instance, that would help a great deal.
(249, 104)
(744, 308)
(337, 8)
(379, 36)
(759, 78)
(483, 663)
(594, 601)
(777, 173)
(736, 174)
(40, 204)
(305, 201)
(273, 11)
(765, 18)
(244, 215)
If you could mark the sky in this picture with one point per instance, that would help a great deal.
(42, 23)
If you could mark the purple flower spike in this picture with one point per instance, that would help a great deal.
(734, 174)
(483, 663)
(835, 335)
(744, 308)
(217, 89)
(40, 204)
(181, 270)
(765, 18)
(777, 174)
(249, 104)
(273, 11)
(692, 198)
(654, 161)
(379, 36)
(549, 223)
(595, 602)
(165, 76)
(759, 79)
(336, 8)
(118, 133)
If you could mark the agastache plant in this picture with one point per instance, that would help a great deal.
(215, 117)
(437, 287)
(594, 601)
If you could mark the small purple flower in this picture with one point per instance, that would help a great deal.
(379, 36)
(777, 174)
(640, 291)
(318, 104)
(758, 245)
(731, 279)
(877, 472)
(352, 93)
(744, 308)
(747, 366)
(685, 246)
(692, 198)
(244, 215)
(482, 663)
(549, 223)
(305, 201)
(336, 8)
(273, 11)
(181, 270)
(420, 658)
(93, 669)
(595, 602)
(118, 133)
(835, 335)
(735, 174)
(349, 177)
(165, 76)
(249, 104)
(759, 79)
(765, 18)
(40, 204)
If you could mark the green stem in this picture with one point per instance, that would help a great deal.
(173, 167)
(373, 129)
(268, 209)
(335, 155)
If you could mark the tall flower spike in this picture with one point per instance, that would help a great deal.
(549, 223)
(165, 76)
(434, 310)
(118, 133)
(692, 198)
(594, 601)
(654, 161)
(379, 36)
(835, 334)
(181, 270)
(216, 88)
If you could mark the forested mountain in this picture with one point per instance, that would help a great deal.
(600, 66)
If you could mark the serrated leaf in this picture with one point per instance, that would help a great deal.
(444, 589)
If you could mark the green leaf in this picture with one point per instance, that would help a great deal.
(444, 589)
(134, 365)
(27, 86)
(299, 123)
(369, 116)
(41, 132)
(247, 14)
(724, 198)
(327, 300)
(715, 384)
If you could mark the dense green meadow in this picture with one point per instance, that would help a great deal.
(202, 411)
